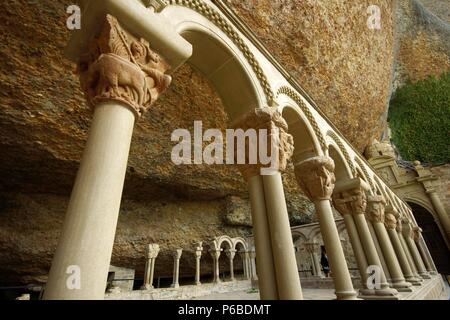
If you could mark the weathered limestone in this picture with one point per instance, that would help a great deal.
(287, 280)
(198, 256)
(176, 267)
(230, 254)
(245, 258)
(391, 226)
(316, 178)
(408, 234)
(152, 253)
(375, 214)
(121, 76)
(252, 266)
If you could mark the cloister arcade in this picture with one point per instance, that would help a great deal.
(127, 52)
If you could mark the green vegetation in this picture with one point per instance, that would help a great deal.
(419, 117)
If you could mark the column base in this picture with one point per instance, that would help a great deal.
(346, 295)
(147, 287)
(425, 275)
(378, 297)
(402, 286)
(198, 283)
(414, 281)
(175, 285)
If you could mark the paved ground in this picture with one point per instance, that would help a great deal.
(309, 294)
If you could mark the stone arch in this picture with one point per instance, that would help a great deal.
(342, 170)
(241, 241)
(223, 239)
(364, 174)
(221, 56)
(334, 141)
(308, 138)
(433, 235)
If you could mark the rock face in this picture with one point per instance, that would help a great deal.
(327, 47)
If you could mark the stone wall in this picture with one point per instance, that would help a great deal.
(443, 172)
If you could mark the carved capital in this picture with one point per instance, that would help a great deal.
(120, 67)
(215, 254)
(375, 209)
(177, 254)
(399, 226)
(152, 250)
(315, 177)
(230, 254)
(279, 144)
(390, 221)
(416, 233)
(407, 230)
(353, 201)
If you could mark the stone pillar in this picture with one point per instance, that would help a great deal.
(120, 82)
(245, 258)
(312, 248)
(176, 267)
(408, 234)
(230, 254)
(198, 256)
(379, 252)
(408, 254)
(316, 178)
(263, 246)
(349, 198)
(391, 226)
(253, 273)
(440, 210)
(426, 254)
(152, 253)
(215, 254)
(375, 214)
(278, 273)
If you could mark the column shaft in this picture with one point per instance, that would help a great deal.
(89, 227)
(417, 259)
(263, 246)
(398, 280)
(409, 257)
(402, 258)
(338, 265)
(286, 270)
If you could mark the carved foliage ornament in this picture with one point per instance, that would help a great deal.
(279, 142)
(123, 68)
(315, 177)
(390, 221)
(353, 201)
(152, 250)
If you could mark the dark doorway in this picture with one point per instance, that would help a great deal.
(433, 238)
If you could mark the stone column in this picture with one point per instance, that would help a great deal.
(120, 82)
(245, 258)
(422, 246)
(349, 198)
(408, 254)
(176, 267)
(440, 210)
(152, 253)
(371, 253)
(230, 254)
(408, 234)
(263, 246)
(254, 274)
(198, 256)
(311, 248)
(278, 273)
(391, 226)
(316, 178)
(215, 254)
(375, 214)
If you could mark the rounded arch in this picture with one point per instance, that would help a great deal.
(223, 239)
(220, 58)
(239, 241)
(313, 234)
(413, 201)
(342, 170)
(298, 236)
(306, 144)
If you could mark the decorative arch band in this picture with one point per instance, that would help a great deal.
(214, 16)
(299, 101)
(344, 151)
